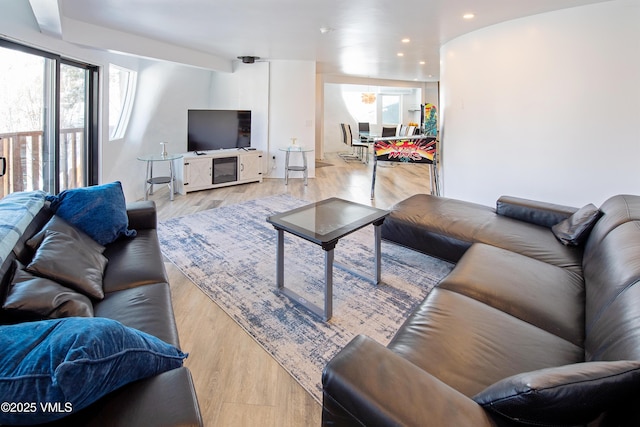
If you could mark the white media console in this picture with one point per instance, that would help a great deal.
(218, 168)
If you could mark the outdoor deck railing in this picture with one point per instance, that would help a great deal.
(28, 166)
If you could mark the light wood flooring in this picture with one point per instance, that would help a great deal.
(237, 382)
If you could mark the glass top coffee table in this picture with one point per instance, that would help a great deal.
(324, 223)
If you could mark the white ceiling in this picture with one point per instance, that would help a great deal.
(364, 38)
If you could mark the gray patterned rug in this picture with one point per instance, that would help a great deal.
(230, 254)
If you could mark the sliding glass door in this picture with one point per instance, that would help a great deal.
(48, 121)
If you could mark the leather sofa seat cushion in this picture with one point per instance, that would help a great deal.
(437, 226)
(134, 262)
(146, 308)
(470, 345)
(446, 228)
(137, 404)
(516, 284)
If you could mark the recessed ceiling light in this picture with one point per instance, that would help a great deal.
(400, 54)
(422, 62)
(468, 16)
(406, 40)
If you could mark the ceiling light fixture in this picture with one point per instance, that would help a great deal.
(248, 59)
(468, 16)
(400, 54)
(368, 98)
(406, 40)
(325, 29)
(422, 62)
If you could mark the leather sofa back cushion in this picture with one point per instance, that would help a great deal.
(566, 395)
(616, 210)
(610, 267)
(36, 297)
(536, 212)
(58, 224)
(70, 263)
(574, 230)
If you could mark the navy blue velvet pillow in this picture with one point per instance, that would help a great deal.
(100, 211)
(72, 362)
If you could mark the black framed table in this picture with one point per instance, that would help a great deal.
(325, 223)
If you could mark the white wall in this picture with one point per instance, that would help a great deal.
(164, 93)
(335, 111)
(292, 112)
(247, 88)
(544, 107)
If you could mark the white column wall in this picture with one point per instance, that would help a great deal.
(292, 114)
(544, 107)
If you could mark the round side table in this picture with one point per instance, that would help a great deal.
(287, 168)
(150, 180)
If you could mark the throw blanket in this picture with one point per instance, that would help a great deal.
(16, 212)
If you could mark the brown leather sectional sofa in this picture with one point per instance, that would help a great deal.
(524, 331)
(137, 294)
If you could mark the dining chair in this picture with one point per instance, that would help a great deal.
(363, 127)
(361, 146)
(388, 131)
(348, 141)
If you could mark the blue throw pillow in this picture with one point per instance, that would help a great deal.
(100, 211)
(69, 363)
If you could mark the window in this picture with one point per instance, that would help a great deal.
(391, 109)
(48, 120)
(122, 86)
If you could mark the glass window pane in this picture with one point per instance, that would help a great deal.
(23, 87)
(122, 84)
(72, 157)
(391, 109)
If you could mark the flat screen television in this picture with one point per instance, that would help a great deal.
(218, 129)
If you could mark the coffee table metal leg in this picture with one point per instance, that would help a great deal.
(292, 295)
(376, 278)
(280, 260)
(328, 284)
(378, 252)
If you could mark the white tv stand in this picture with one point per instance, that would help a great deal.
(218, 168)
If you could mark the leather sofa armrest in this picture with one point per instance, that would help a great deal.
(142, 215)
(533, 211)
(368, 384)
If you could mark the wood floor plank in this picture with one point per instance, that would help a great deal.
(238, 383)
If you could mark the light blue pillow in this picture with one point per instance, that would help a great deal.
(100, 211)
(73, 362)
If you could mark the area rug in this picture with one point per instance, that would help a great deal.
(230, 254)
